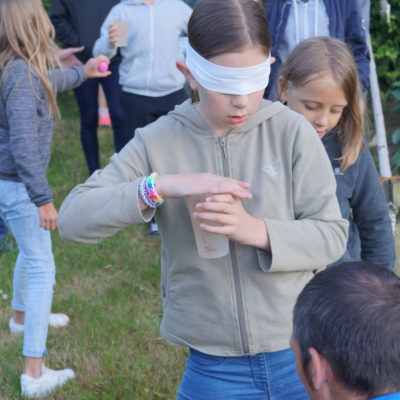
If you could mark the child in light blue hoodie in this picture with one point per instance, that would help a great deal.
(151, 84)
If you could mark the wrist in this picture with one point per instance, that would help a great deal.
(257, 234)
(148, 193)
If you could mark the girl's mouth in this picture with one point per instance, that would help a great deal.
(237, 120)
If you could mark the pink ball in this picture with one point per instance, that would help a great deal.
(103, 67)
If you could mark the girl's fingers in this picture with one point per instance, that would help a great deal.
(218, 217)
(219, 229)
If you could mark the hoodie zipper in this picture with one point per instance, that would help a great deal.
(236, 279)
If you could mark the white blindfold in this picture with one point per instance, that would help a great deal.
(238, 81)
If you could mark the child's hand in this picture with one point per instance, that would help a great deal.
(115, 32)
(67, 58)
(48, 217)
(236, 223)
(187, 184)
(92, 65)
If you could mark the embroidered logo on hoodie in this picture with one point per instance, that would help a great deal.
(273, 169)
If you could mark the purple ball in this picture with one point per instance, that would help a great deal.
(103, 67)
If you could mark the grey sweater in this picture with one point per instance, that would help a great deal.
(26, 127)
(241, 303)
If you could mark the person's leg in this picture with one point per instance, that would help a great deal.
(104, 115)
(138, 110)
(241, 378)
(86, 96)
(165, 104)
(112, 91)
(35, 273)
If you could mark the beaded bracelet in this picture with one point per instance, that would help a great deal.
(148, 193)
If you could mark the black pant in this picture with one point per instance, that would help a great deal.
(140, 111)
(86, 96)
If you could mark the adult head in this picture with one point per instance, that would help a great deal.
(346, 332)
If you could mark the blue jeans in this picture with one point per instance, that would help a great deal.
(3, 229)
(264, 376)
(34, 271)
(86, 96)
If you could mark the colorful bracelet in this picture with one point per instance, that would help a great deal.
(148, 193)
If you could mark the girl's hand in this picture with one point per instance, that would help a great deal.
(114, 34)
(91, 67)
(48, 217)
(236, 223)
(187, 184)
(66, 57)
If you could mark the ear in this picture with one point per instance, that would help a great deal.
(187, 74)
(319, 371)
(282, 89)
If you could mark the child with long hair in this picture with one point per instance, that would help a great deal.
(320, 81)
(28, 82)
(233, 312)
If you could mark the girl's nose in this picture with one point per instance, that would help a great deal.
(321, 120)
(240, 101)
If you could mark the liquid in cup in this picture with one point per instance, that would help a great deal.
(123, 28)
(209, 245)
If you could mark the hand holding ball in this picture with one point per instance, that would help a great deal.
(103, 67)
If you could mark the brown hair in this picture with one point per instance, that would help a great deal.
(27, 33)
(313, 58)
(223, 26)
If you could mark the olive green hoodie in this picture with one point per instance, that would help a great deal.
(241, 303)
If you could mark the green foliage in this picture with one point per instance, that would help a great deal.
(393, 99)
(47, 4)
(385, 39)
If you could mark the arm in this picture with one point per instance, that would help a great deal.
(102, 44)
(108, 201)
(370, 212)
(317, 235)
(355, 38)
(61, 19)
(21, 98)
(70, 78)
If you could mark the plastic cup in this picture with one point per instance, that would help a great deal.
(123, 36)
(209, 245)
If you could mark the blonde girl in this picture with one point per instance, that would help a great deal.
(276, 205)
(320, 81)
(28, 82)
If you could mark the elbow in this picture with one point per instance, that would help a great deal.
(342, 235)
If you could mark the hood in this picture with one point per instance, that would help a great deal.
(186, 114)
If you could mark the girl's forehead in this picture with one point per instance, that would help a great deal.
(241, 58)
(323, 88)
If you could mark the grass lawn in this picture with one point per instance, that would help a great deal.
(109, 290)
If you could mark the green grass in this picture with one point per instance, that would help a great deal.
(111, 293)
(109, 290)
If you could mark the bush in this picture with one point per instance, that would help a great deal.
(386, 44)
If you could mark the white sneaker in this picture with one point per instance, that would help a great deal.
(16, 329)
(58, 320)
(46, 383)
(55, 320)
